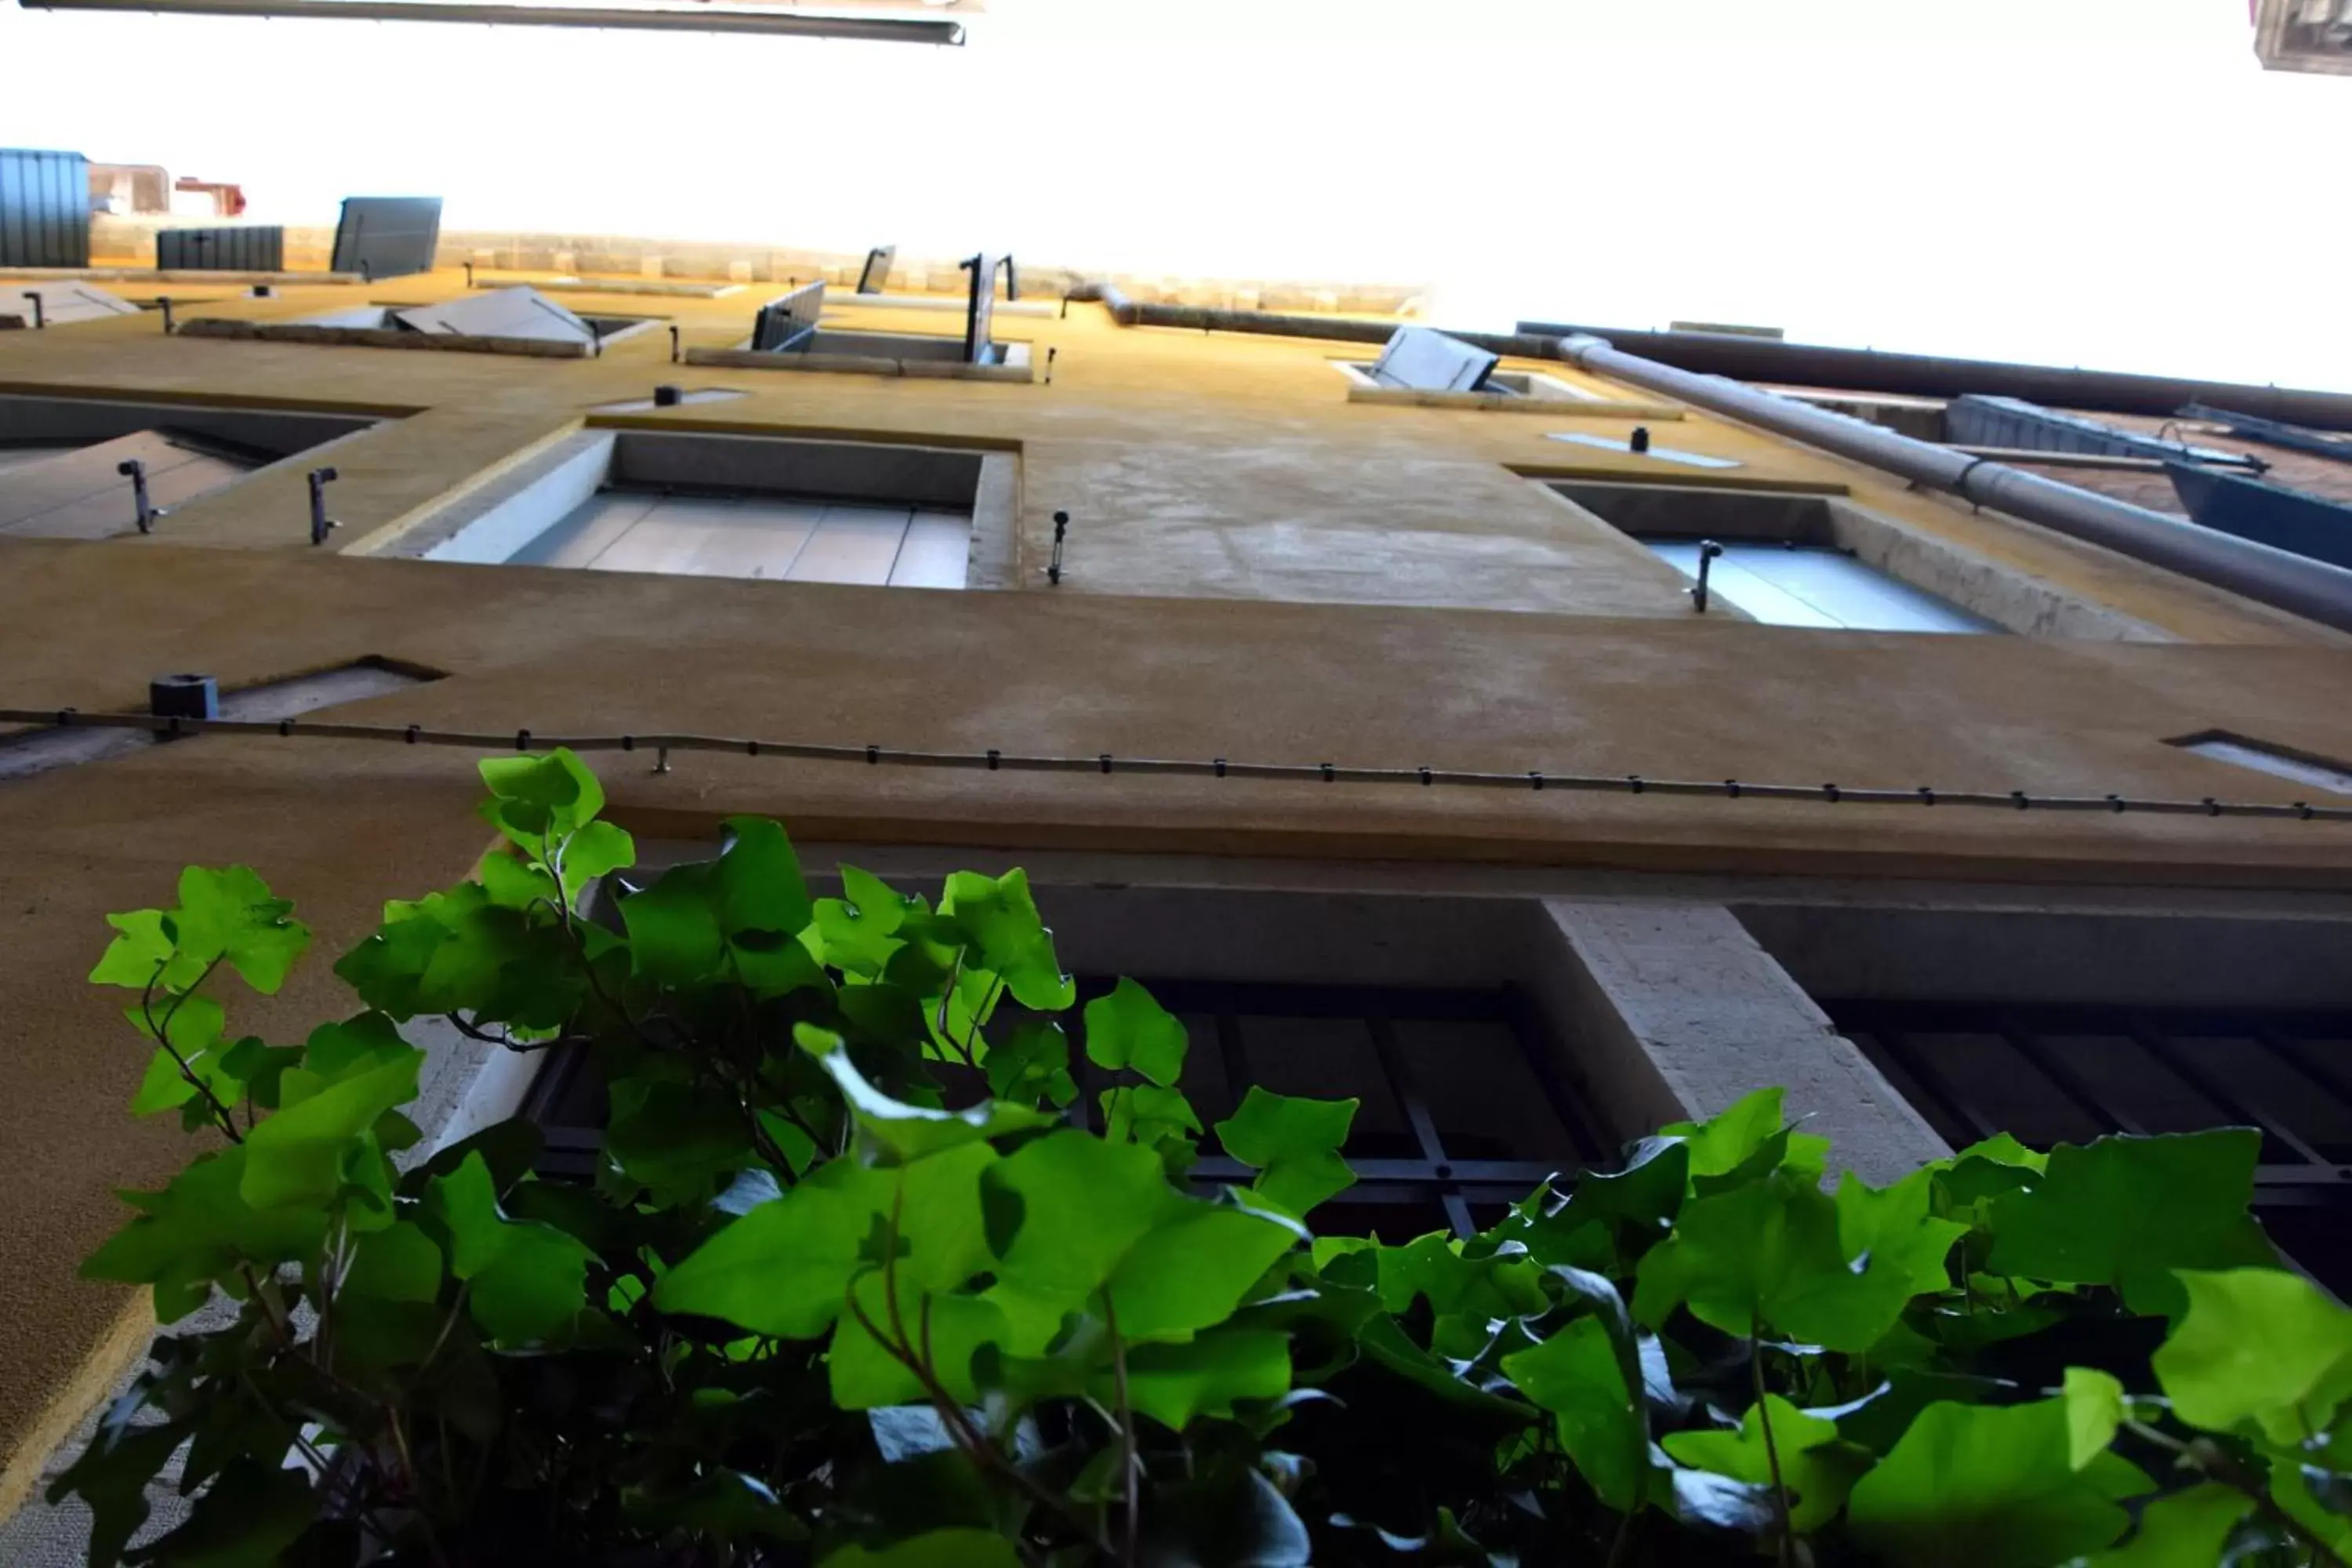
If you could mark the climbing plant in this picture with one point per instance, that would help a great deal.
(852, 1288)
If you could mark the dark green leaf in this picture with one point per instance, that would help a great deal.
(399, 1263)
(112, 1473)
(245, 1520)
(198, 1230)
(674, 933)
(1174, 1382)
(724, 1505)
(1033, 1064)
(909, 1132)
(2128, 1211)
(528, 1278)
(758, 884)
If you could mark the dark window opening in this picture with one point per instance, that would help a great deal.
(1463, 1113)
(2069, 1074)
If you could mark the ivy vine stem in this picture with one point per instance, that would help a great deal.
(1772, 1449)
(2217, 1466)
(163, 1033)
(1127, 1461)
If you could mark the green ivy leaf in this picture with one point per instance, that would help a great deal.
(1033, 1064)
(193, 1025)
(1817, 1468)
(231, 915)
(534, 798)
(2186, 1530)
(513, 883)
(783, 1268)
(2257, 1345)
(864, 1376)
(595, 849)
(1175, 1384)
(906, 1132)
(246, 1518)
(198, 1230)
(399, 1263)
(2095, 1410)
(1991, 1487)
(879, 906)
(1293, 1145)
(1129, 1028)
(2127, 1212)
(1433, 1267)
(725, 1505)
(1891, 1227)
(296, 1158)
(675, 1139)
(1747, 1141)
(1148, 1114)
(137, 955)
(758, 884)
(1073, 1218)
(939, 1548)
(673, 932)
(113, 1472)
(1767, 1255)
(1001, 918)
(1576, 1375)
(529, 1279)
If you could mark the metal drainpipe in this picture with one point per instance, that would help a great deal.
(2302, 587)
(2277, 577)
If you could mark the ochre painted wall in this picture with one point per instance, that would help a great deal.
(1258, 570)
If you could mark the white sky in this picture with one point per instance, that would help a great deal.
(2110, 183)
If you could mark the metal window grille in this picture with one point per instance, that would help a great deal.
(1464, 1112)
(2069, 1074)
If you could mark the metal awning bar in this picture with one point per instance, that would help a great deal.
(697, 19)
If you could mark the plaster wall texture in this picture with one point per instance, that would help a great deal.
(1257, 569)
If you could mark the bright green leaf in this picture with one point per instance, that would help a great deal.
(1891, 1227)
(200, 1230)
(2127, 1212)
(1817, 1470)
(597, 849)
(296, 1158)
(2186, 1530)
(231, 915)
(193, 1025)
(881, 907)
(2260, 1345)
(939, 1548)
(1172, 1384)
(2094, 1409)
(1767, 1255)
(137, 956)
(1293, 1144)
(1033, 1064)
(1001, 918)
(1991, 1487)
(1072, 1216)
(1129, 1028)
(1575, 1374)
(784, 1268)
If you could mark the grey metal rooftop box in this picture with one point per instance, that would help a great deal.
(387, 237)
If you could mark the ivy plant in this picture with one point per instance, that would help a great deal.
(856, 1284)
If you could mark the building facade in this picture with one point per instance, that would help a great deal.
(1927, 812)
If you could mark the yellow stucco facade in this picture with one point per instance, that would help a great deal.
(1257, 568)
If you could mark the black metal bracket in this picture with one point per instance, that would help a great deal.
(164, 303)
(1061, 532)
(673, 344)
(320, 525)
(40, 309)
(136, 472)
(1709, 549)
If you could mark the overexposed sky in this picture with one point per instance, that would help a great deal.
(2110, 183)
